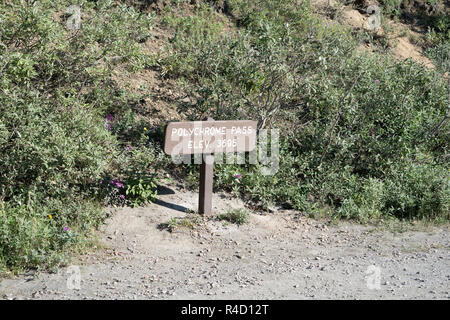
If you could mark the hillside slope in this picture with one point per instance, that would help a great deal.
(86, 91)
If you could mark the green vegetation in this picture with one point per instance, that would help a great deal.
(432, 15)
(441, 56)
(60, 127)
(361, 136)
(236, 216)
(188, 222)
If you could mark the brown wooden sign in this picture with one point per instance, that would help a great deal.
(208, 137)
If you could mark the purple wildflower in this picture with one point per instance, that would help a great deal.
(109, 117)
(117, 183)
(238, 176)
(66, 228)
(122, 196)
(377, 81)
(129, 148)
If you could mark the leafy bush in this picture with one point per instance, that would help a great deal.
(39, 236)
(351, 123)
(392, 7)
(48, 152)
(141, 189)
(441, 56)
(418, 190)
(56, 140)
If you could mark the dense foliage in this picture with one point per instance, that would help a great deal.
(57, 98)
(361, 136)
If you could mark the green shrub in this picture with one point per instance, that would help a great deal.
(48, 150)
(350, 122)
(56, 83)
(56, 141)
(40, 236)
(418, 191)
(237, 216)
(140, 189)
(391, 7)
(441, 56)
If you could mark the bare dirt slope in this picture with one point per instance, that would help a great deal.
(276, 256)
(398, 34)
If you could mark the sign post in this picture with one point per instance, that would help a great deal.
(208, 137)
(206, 183)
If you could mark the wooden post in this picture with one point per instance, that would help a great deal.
(206, 183)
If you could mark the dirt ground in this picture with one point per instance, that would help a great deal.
(281, 255)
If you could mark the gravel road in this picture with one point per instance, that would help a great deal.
(281, 255)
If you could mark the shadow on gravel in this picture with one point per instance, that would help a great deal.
(171, 205)
(162, 190)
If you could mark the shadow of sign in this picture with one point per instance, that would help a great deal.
(162, 190)
(171, 205)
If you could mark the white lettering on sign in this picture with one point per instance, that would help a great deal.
(243, 130)
(193, 144)
(208, 131)
(210, 137)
